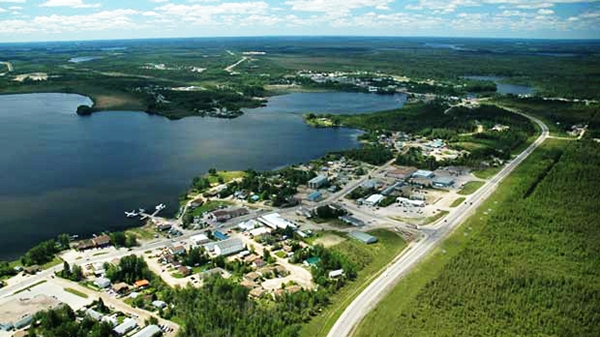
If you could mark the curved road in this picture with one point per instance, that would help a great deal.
(367, 300)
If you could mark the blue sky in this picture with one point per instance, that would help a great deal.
(50, 20)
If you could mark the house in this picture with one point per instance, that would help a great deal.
(423, 174)
(199, 239)
(336, 273)
(85, 244)
(248, 284)
(94, 314)
(102, 282)
(185, 271)
(257, 292)
(410, 202)
(120, 287)
(253, 276)
(315, 196)
(159, 304)
(163, 227)
(350, 220)
(101, 241)
(258, 263)
(177, 250)
(443, 182)
(228, 247)
(318, 182)
(363, 237)
(374, 199)
(127, 325)
(248, 225)
(149, 331)
(304, 212)
(259, 231)
(141, 284)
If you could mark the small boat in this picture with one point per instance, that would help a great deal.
(141, 210)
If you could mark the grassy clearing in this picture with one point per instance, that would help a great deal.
(487, 173)
(227, 176)
(143, 233)
(55, 261)
(457, 202)
(76, 292)
(470, 187)
(372, 258)
(542, 268)
(210, 206)
(30, 287)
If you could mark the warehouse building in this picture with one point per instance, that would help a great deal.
(363, 237)
(229, 247)
(318, 182)
(149, 331)
(443, 182)
(423, 174)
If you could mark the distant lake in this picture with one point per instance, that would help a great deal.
(504, 88)
(67, 174)
(82, 59)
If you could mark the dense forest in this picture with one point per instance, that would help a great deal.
(62, 322)
(528, 266)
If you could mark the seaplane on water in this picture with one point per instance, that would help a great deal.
(141, 210)
(131, 214)
(160, 207)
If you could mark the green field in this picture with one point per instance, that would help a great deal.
(371, 258)
(528, 268)
(457, 202)
(470, 187)
(76, 292)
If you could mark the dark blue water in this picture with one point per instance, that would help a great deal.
(504, 88)
(67, 174)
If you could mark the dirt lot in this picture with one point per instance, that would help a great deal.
(329, 240)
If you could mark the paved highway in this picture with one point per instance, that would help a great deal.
(367, 300)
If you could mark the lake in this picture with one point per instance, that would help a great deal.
(504, 88)
(81, 59)
(62, 173)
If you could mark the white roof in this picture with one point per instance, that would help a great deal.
(260, 231)
(274, 220)
(336, 273)
(248, 225)
(102, 282)
(375, 198)
(199, 238)
(127, 325)
(148, 331)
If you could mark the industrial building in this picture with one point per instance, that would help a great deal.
(199, 239)
(443, 182)
(221, 215)
(423, 174)
(363, 237)
(274, 220)
(315, 196)
(228, 247)
(350, 220)
(318, 182)
(374, 200)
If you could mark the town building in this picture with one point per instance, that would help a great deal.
(350, 220)
(228, 247)
(141, 284)
(423, 174)
(102, 282)
(259, 231)
(248, 225)
(363, 237)
(443, 182)
(220, 235)
(199, 239)
(315, 196)
(94, 314)
(120, 287)
(401, 172)
(318, 182)
(159, 304)
(274, 220)
(101, 241)
(410, 202)
(148, 331)
(222, 215)
(374, 200)
(127, 325)
(176, 250)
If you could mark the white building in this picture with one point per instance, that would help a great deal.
(228, 247)
(149, 331)
(199, 239)
(248, 225)
(259, 231)
(274, 220)
(374, 199)
(409, 202)
(127, 325)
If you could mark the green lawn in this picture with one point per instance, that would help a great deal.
(210, 206)
(470, 187)
(76, 292)
(30, 287)
(457, 202)
(531, 260)
(372, 258)
(226, 175)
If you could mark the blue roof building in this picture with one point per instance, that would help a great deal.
(443, 182)
(220, 236)
(315, 196)
(423, 174)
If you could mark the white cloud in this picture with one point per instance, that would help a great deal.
(69, 3)
(336, 6)
(544, 11)
(14, 1)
